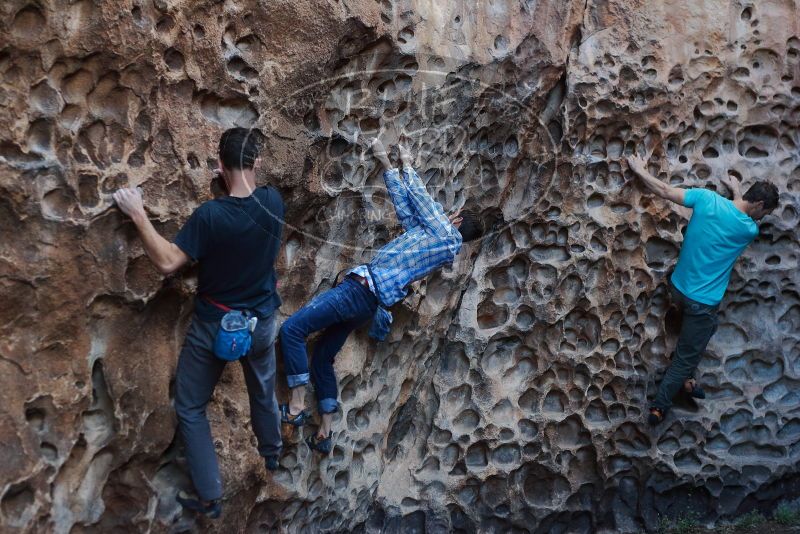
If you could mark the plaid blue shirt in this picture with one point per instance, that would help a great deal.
(429, 242)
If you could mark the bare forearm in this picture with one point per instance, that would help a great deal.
(653, 184)
(665, 191)
(380, 153)
(385, 163)
(166, 256)
(161, 252)
(638, 164)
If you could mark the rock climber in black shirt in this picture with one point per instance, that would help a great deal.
(235, 239)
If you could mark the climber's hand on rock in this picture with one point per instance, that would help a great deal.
(377, 148)
(129, 200)
(732, 183)
(638, 164)
(380, 153)
(405, 155)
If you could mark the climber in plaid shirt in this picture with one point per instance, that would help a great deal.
(430, 241)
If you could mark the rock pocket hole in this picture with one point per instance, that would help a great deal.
(35, 418)
(660, 253)
(16, 501)
(491, 316)
(173, 59)
(165, 24)
(88, 194)
(28, 23)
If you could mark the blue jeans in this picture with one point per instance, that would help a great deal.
(698, 325)
(197, 375)
(338, 311)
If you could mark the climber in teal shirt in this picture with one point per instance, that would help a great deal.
(718, 232)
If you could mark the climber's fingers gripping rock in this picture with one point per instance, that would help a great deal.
(637, 164)
(130, 201)
(380, 153)
(377, 147)
(405, 155)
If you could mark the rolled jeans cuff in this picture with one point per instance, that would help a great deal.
(328, 405)
(297, 380)
(381, 324)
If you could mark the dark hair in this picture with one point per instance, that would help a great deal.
(765, 192)
(239, 147)
(471, 226)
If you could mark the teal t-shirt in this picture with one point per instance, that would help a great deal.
(717, 234)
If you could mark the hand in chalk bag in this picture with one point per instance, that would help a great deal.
(129, 200)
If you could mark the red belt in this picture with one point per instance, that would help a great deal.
(360, 279)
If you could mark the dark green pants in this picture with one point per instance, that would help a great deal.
(698, 325)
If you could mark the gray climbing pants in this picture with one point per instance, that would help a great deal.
(197, 375)
(698, 325)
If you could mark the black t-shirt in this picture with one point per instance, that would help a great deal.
(236, 241)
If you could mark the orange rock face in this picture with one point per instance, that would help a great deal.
(511, 392)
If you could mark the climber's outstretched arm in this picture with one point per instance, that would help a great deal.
(428, 212)
(397, 191)
(166, 256)
(638, 165)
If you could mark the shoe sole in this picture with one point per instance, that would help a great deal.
(317, 449)
(299, 420)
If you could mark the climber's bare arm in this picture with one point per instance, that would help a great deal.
(166, 256)
(732, 183)
(406, 158)
(638, 165)
(379, 151)
(394, 185)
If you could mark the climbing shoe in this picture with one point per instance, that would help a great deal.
(295, 420)
(694, 390)
(271, 463)
(321, 445)
(212, 510)
(656, 416)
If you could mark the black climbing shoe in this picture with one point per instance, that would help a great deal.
(656, 416)
(271, 463)
(294, 420)
(321, 445)
(211, 510)
(695, 391)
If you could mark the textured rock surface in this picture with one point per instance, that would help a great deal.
(511, 392)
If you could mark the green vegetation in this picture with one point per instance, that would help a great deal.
(686, 524)
(750, 520)
(787, 515)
